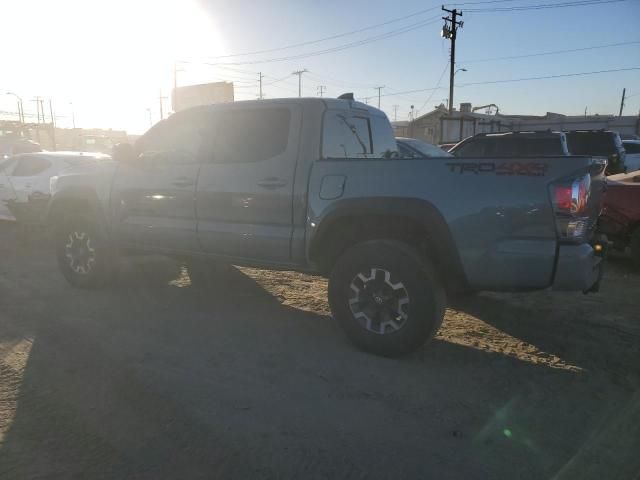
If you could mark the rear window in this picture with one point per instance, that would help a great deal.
(592, 143)
(346, 136)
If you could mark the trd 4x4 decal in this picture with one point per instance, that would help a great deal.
(530, 169)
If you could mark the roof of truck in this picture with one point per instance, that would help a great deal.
(323, 103)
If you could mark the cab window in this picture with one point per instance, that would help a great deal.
(251, 135)
(178, 139)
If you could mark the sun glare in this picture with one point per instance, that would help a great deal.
(106, 57)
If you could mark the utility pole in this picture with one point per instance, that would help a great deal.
(38, 103)
(321, 90)
(624, 92)
(175, 86)
(20, 107)
(37, 100)
(450, 31)
(378, 88)
(150, 119)
(395, 112)
(299, 73)
(73, 115)
(160, 99)
(53, 125)
(260, 78)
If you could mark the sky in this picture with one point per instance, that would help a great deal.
(107, 63)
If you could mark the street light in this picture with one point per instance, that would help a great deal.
(459, 70)
(20, 110)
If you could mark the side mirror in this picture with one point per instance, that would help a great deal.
(123, 152)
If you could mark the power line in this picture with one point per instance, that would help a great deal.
(418, 90)
(353, 32)
(324, 39)
(339, 83)
(278, 80)
(437, 85)
(480, 3)
(543, 6)
(394, 94)
(554, 52)
(338, 48)
(564, 75)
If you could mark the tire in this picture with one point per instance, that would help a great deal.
(634, 244)
(84, 253)
(204, 272)
(387, 298)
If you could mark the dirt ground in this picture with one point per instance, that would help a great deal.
(250, 378)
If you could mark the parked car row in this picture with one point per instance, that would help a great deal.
(597, 143)
(25, 182)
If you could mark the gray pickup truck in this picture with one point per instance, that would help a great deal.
(316, 185)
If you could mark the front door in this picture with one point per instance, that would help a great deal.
(153, 195)
(245, 189)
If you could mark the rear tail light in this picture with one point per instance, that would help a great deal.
(570, 201)
(572, 197)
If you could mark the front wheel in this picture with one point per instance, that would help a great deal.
(85, 256)
(387, 298)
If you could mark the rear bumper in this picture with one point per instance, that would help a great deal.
(579, 268)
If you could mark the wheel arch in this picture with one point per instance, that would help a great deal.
(74, 200)
(412, 221)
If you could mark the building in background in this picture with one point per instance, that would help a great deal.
(203, 94)
(438, 126)
(69, 139)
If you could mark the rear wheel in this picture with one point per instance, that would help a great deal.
(85, 256)
(387, 298)
(635, 247)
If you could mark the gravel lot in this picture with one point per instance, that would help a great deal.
(250, 378)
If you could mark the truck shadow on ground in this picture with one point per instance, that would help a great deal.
(157, 378)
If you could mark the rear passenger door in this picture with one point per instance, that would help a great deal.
(245, 187)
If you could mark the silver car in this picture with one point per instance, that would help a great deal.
(632, 159)
(25, 180)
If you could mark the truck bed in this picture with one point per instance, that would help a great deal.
(498, 210)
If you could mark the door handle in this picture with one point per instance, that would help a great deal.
(272, 182)
(183, 182)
